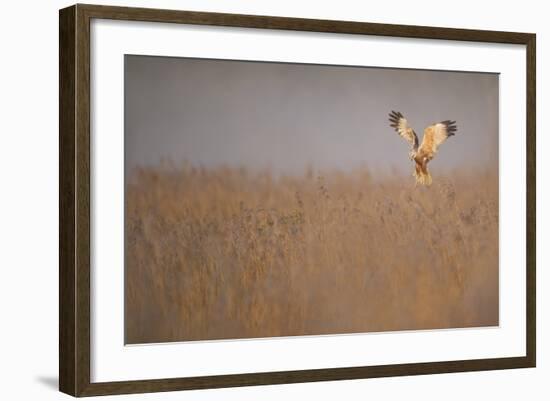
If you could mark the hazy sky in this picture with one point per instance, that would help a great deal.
(288, 116)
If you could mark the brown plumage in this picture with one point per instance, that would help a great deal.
(434, 136)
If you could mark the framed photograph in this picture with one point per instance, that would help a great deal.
(250, 200)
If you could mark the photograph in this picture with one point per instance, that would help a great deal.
(271, 199)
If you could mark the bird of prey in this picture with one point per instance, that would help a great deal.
(434, 136)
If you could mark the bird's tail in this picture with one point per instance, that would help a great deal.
(422, 175)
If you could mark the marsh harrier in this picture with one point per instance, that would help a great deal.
(434, 136)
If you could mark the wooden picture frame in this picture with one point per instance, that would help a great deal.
(74, 203)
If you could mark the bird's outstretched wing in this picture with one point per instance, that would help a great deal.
(400, 124)
(435, 135)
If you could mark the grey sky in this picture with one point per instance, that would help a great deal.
(289, 116)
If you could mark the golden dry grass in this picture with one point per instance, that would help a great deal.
(224, 253)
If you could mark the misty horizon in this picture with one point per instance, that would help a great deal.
(288, 118)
